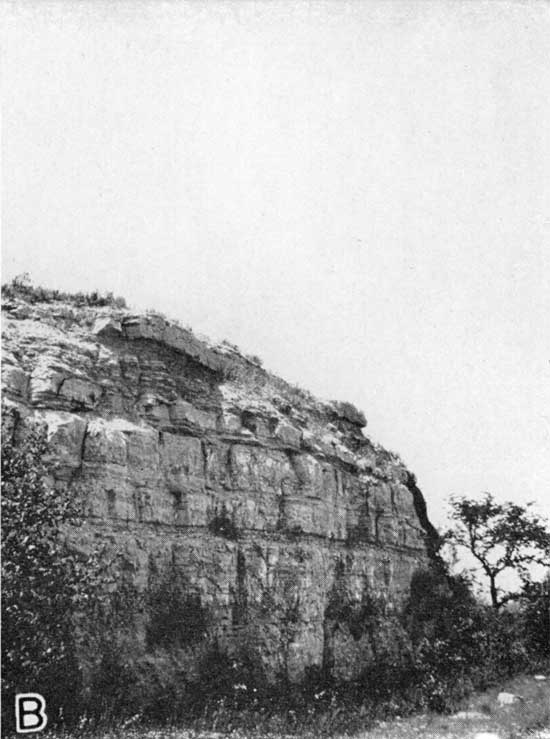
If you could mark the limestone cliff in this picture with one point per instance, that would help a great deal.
(281, 517)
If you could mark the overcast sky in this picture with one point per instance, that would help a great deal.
(357, 192)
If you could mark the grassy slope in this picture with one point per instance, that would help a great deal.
(528, 719)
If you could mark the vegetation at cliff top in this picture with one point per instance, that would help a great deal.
(22, 287)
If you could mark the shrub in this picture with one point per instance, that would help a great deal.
(255, 359)
(446, 628)
(45, 584)
(128, 678)
(536, 619)
(176, 615)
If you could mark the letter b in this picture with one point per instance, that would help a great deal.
(30, 713)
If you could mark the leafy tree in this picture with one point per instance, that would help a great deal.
(45, 584)
(501, 536)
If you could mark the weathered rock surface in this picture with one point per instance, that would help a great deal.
(275, 509)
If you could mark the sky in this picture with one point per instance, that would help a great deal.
(358, 192)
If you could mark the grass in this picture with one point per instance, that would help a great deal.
(530, 718)
(21, 287)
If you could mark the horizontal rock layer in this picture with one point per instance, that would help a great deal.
(271, 507)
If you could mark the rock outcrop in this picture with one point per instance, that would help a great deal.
(281, 519)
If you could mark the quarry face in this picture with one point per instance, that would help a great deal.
(274, 512)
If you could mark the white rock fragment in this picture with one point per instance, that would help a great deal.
(508, 699)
